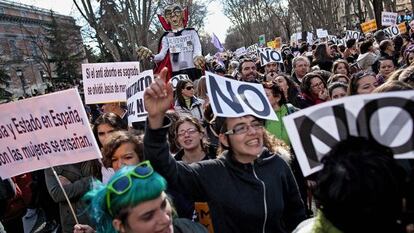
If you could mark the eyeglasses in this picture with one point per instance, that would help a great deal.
(244, 128)
(188, 88)
(189, 131)
(122, 184)
(175, 12)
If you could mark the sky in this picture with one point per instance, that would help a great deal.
(216, 22)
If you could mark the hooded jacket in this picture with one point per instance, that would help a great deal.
(259, 197)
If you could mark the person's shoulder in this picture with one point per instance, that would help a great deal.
(305, 227)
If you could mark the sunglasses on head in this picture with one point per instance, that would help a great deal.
(122, 184)
(188, 88)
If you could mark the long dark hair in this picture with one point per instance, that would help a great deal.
(293, 90)
(111, 119)
(320, 53)
(179, 92)
(306, 83)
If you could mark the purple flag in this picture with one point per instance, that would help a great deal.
(216, 42)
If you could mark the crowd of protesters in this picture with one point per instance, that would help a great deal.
(244, 168)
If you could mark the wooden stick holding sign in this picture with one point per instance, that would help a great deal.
(231, 98)
(387, 118)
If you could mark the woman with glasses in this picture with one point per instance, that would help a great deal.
(249, 187)
(314, 90)
(187, 104)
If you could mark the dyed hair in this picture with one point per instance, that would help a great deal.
(116, 140)
(141, 190)
(111, 119)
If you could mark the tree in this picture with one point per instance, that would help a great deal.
(5, 94)
(65, 49)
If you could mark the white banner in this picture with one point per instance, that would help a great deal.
(388, 18)
(387, 118)
(135, 96)
(231, 98)
(352, 34)
(267, 55)
(321, 33)
(178, 44)
(106, 82)
(44, 131)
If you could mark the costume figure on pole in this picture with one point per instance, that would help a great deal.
(179, 47)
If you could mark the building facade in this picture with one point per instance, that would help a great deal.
(24, 52)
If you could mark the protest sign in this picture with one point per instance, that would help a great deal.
(240, 51)
(332, 38)
(352, 34)
(321, 33)
(135, 96)
(231, 98)
(252, 49)
(174, 80)
(278, 42)
(309, 38)
(387, 118)
(106, 82)
(44, 131)
(204, 216)
(388, 18)
(262, 40)
(395, 30)
(267, 55)
(271, 44)
(369, 26)
(179, 44)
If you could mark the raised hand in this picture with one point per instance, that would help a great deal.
(158, 98)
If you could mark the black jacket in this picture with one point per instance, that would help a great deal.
(259, 197)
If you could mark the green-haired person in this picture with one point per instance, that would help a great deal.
(133, 201)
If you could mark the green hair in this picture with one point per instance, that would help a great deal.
(141, 190)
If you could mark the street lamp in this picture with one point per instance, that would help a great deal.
(19, 74)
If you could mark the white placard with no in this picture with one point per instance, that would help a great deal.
(135, 96)
(240, 51)
(232, 98)
(106, 82)
(268, 55)
(388, 18)
(387, 118)
(178, 44)
(44, 131)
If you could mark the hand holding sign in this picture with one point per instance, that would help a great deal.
(158, 98)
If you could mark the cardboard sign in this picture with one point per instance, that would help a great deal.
(388, 18)
(106, 82)
(178, 44)
(240, 51)
(321, 33)
(271, 44)
(174, 80)
(309, 38)
(232, 98)
(352, 34)
(369, 26)
(135, 96)
(204, 217)
(44, 131)
(267, 55)
(333, 38)
(262, 40)
(387, 118)
(278, 42)
(341, 41)
(395, 30)
(252, 48)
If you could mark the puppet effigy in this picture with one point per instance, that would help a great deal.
(179, 47)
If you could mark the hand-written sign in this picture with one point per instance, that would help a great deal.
(240, 51)
(178, 44)
(388, 18)
(267, 55)
(369, 26)
(387, 118)
(106, 82)
(231, 98)
(44, 131)
(135, 96)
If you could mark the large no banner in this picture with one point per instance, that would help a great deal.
(44, 131)
(387, 118)
(106, 82)
(231, 98)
